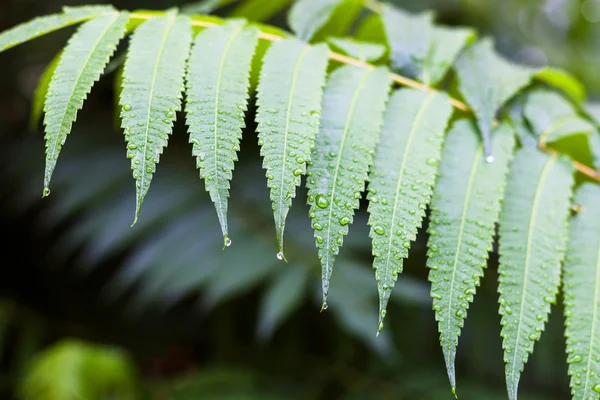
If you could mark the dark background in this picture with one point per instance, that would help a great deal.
(239, 323)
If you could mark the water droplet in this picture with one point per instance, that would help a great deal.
(378, 230)
(321, 201)
(596, 388)
(431, 161)
(489, 159)
(298, 172)
(280, 256)
(46, 192)
(318, 227)
(227, 242)
(575, 359)
(126, 107)
(344, 221)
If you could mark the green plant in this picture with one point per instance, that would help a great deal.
(353, 131)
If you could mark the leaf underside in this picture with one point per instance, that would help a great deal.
(49, 23)
(582, 295)
(152, 91)
(353, 107)
(487, 81)
(533, 235)
(420, 49)
(401, 180)
(80, 66)
(464, 210)
(306, 17)
(289, 105)
(218, 75)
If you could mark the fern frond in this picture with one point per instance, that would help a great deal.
(41, 90)
(49, 23)
(289, 100)
(217, 91)
(487, 81)
(533, 237)
(80, 66)
(363, 51)
(308, 16)
(420, 49)
(552, 117)
(152, 90)
(464, 209)
(582, 295)
(402, 178)
(353, 108)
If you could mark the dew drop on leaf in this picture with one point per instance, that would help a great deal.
(280, 256)
(344, 221)
(321, 201)
(378, 230)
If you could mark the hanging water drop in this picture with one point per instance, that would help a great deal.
(227, 241)
(280, 255)
(46, 192)
(489, 159)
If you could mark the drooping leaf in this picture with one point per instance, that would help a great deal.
(217, 91)
(363, 51)
(80, 66)
(259, 10)
(552, 117)
(289, 100)
(402, 178)
(41, 26)
(562, 80)
(283, 296)
(533, 235)
(306, 17)
(152, 90)
(420, 49)
(464, 210)
(353, 108)
(487, 81)
(582, 295)
(39, 96)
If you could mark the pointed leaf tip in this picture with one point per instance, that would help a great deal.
(281, 256)
(454, 392)
(226, 242)
(46, 192)
(324, 306)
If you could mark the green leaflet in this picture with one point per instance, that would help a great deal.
(49, 23)
(80, 66)
(533, 235)
(402, 178)
(341, 20)
(464, 210)
(487, 81)
(562, 80)
(152, 87)
(420, 49)
(39, 97)
(217, 91)
(259, 10)
(353, 107)
(307, 17)
(289, 105)
(364, 51)
(552, 117)
(582, 295)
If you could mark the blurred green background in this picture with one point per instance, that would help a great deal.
(90, 306)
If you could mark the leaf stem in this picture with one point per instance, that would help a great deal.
(375, 6)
